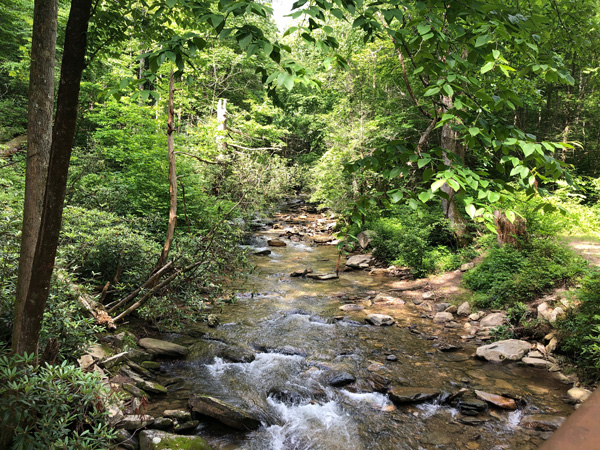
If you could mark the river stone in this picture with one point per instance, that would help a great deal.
(224, 412)
(380, 320)
(497, 400)
(493, 320)
(163, 348)
(440, 307)
(133, 390)
(542, 422)
(160, 440)
(471, 406)
(341, 379)
(98, 351)
(162, 423)
(86, 361)
(135, 421)
(152, 387)
(464, 309)
(126, 440)
(263, 252)
(510, 349)
(322, 276)
(150, 365)
(352, 307)
(112, 361)
(403, 395)
(474, 317)
(388, 299)
(578, 395)
(442, 317)
(359, 261)
(299, 273)
(139, 356)
(537, 362)
(186, 426)
(177, 414)
(276, 243)
(322, 239)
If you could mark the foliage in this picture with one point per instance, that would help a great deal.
(508, 274)
(52, 407)
(579, 330)
(422, 240)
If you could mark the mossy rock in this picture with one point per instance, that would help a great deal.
(159, 440)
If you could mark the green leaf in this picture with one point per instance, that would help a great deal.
(470, 209)
(437, 184)
(395, 196)
(493, 196)
(474, 131)
(432, 91)
(424, 196)
(510, 215)
(487, 67)
(453, 184)
(171, 3)
(482, 40)
(289, 82)
(423, 162)
(448, 90)
(528, 148)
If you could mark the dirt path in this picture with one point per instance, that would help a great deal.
(589, 248)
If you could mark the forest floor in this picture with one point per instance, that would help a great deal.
(588, 247)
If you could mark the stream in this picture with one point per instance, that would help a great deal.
(317, 376)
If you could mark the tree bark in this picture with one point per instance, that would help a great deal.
(34, 292)
(172, 176)
(450, 143)
(39, 141)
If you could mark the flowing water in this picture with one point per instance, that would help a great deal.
(281, 343)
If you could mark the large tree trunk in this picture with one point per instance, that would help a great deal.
(39, 141)
(172, 176)
(31, 301)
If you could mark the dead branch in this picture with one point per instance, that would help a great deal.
(199, 159)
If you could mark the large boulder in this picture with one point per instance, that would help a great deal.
(403, 395)
(359, 261)
(159, 440)
(493, 320)
(163, 348)
(224, 412)
(443, 317)
(510, 349)
(276, 243)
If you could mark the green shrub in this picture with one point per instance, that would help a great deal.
(422, 240)
(579, 330)
(52, 407)
(508, 275)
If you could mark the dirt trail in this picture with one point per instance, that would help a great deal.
(588, 248)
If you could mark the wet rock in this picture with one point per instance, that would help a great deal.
(391, 358)
(322, 276)
(404, 395)
(126, 440)
(497, 400)
(163, 348)
(134, 422)
(352, 307)
(186, 426)
(359, 261)
(152, 387)
(388, 300)
(473, 421)
(162, 423)
(493, 320)
(160, 440)
(112, 361)
(464, 309)
(263, 252)
(139, 369)
(510, 349)
(447, 347)
(537, 362)
(177, 414)
(379, 382)
(578, 395)
(276, 243)
(341, 379)
(300, 273)
(224, 412)
(380, 320)
(322, 239)
(542, 422)
(471, 406)
(443, 317)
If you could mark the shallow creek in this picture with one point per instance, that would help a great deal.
(294, 328)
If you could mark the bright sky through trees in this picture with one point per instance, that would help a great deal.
(282, 8)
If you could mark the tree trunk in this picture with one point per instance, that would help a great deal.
(172, 176)
(39, 141)
(450, 143)
(221, 125)
(31, 299)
